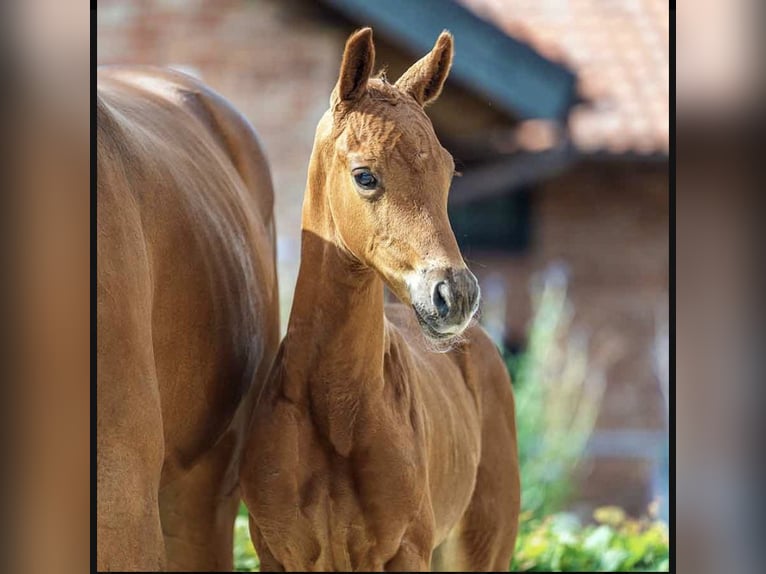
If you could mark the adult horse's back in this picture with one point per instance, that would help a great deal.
(187, 316)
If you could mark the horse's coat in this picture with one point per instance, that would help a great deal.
(187, 316)
(369, 451)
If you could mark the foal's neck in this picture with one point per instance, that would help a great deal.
(337, 314)
(334, 346)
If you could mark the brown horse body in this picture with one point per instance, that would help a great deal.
(187, 316)
(369, 451)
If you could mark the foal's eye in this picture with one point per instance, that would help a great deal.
(365, 180)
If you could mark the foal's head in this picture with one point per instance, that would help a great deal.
(388, 179)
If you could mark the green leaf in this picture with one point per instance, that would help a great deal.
(599, 539)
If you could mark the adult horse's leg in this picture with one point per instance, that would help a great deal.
(129, 434)
(267, 561)
(198, 511)
(129, 533)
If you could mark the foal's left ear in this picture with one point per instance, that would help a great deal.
(425, 79)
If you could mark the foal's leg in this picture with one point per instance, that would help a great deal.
(198, 512)
(487, 532)
(486, 535)
(415, 550)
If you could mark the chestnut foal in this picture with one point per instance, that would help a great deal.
(368, 450)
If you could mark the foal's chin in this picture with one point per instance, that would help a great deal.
(442, 342)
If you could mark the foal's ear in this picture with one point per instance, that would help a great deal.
(425, 79)
(355, 70)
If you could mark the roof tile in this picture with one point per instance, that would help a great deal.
(620, 52)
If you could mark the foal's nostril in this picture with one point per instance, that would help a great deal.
(441, 298)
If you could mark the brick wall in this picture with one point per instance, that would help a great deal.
(608, 224)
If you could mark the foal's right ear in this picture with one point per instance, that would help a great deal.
(355, 70)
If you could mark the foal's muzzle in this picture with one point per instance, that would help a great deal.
(445, 300)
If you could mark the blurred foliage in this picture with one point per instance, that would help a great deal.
(560, 543)
(245, 558)
(558, 392)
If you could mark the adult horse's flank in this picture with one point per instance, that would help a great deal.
(369, 451)
(187, 316)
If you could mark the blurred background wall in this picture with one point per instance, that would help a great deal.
(557, 115)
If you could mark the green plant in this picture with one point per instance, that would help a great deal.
(558, 393)
(559, 543)
(245, 558)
